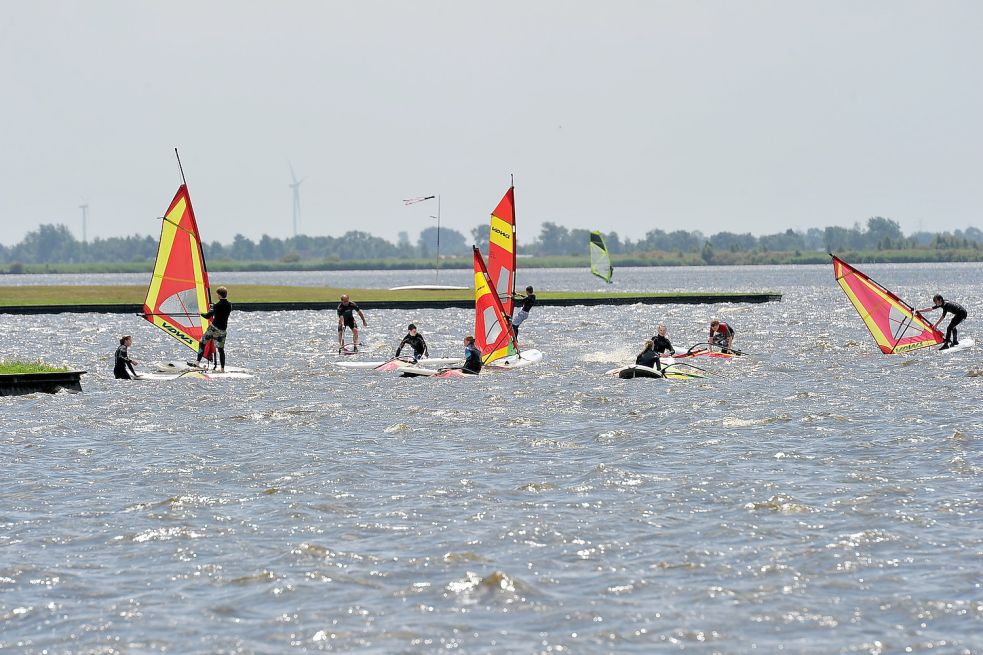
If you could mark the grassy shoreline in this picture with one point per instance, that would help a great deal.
(68, 295)
(15, 367)
(658, 258)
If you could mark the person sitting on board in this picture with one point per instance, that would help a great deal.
(649, 356)
(414, 340)
(123, 369)
(959, 315)
(472, 357)
(219, 315)
(661, 342)
(527, 303)
(346, 319)
(721, 335)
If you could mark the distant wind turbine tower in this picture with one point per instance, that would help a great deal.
(296, 192)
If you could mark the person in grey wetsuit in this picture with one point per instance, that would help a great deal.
(958, 312)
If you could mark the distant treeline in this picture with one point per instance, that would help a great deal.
(55, 244)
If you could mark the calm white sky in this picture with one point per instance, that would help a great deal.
(744, 116)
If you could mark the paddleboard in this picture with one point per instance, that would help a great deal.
(426, 361)
(193, 374)
(670, 371)
(524, 358)
(964, 344)
(417, 371)
(180, 367)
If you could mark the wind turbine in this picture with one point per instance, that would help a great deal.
(84, 209)
(296, 192)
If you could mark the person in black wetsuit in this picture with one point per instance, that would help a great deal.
(661, 342)
(472, 357)
(346, 319)
(415, 341)
(527, 304)
(123, 368)
(958, 312)
(219, 314)
(649, 356)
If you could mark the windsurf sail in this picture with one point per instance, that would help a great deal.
(896, 326)
(600, 260)
(179, 292)
(501, 249)
(492, 330)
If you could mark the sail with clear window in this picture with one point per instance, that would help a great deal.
(600, 260)
(896, 326)
(179, 292)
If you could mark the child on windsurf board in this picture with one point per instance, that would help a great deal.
(123, 367)
(959, 315)
(721, 336)
(415, 341)
(661, 343)
(219, 315)
(346, 319)
(528, 301)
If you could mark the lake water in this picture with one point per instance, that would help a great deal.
(813, 497)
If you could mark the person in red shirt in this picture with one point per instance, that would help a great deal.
(721, 335)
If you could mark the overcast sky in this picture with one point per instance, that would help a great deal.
(744, 116)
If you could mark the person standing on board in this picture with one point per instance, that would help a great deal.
(527, 304)
(721, 335)
(415, 341)
(959, 315)
(219, 315)
(661, 342)
(123, 368)
(346, 319)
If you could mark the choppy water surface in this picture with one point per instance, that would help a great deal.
(816, 496)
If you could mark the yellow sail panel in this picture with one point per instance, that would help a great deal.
(178, 292)
(895, 325)
(492, 331)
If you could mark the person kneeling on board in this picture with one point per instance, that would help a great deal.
(415, 341)
(721, 335)
(959, 315)
(472, 357)
(123, 369)
(661, 342)
(649, 356)
(219, 315)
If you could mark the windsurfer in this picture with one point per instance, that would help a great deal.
(649, 356)
(472, 357)
(527, 304)
(959, 315)
(721, 335)
(346, 319)
(661, 342)
(415, 341)
(123, 369)
(219, 315)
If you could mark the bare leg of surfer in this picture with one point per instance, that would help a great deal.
(355, 338)
(341, 338)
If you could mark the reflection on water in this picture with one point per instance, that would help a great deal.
(816, 495)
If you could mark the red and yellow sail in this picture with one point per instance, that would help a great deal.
(896, 326)
(501, 249)
(179, 291)
(492, 329)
